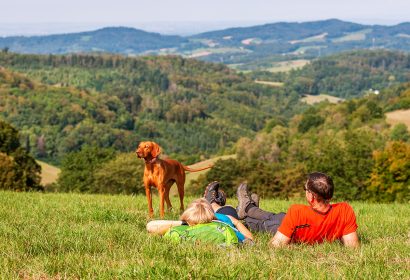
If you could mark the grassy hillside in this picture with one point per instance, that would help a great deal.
(97, 236)
(49, 173)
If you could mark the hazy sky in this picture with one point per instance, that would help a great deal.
(198, 10)
(121, 12)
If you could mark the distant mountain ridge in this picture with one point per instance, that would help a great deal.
(246, 48)
(123, 40)
(285, 30)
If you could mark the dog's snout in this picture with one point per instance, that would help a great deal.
(138, 153)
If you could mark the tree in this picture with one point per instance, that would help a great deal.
(122, 174)
(390, 178)
(400, 133)
(308, 121)
(77, 171)
(18, 170)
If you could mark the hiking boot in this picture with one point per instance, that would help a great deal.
(255, 199)
(220, 198)
(211, 192)
(244, 200)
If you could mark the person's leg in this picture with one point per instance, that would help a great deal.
(257, 213)
(266, 221)
(263, 221)
(255, 218)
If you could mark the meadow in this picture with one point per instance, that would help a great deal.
(58, 236)
(399, 116)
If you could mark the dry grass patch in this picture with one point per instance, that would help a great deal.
(268, 83)
(49, 173)
(399, 116)
(312, 99)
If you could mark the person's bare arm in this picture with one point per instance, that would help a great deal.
(279, 240)
(351, 240)
(241, 227)
(161, 226)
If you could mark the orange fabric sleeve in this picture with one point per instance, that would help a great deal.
(350, 220)
(288, 223)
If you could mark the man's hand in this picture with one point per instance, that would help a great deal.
(279, 240)
(351, 240)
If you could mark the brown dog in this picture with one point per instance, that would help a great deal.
(162, 173)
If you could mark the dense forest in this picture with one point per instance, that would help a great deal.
(87, 113)
(189, 107)
(352, 74)
(346, 75)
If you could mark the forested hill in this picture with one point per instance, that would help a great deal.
(111, 39)
(350, 74)
(189, 107)
(285, 31)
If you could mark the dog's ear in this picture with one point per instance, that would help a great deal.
(156, 150)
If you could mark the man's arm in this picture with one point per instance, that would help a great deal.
(351, 240)
(279, 240)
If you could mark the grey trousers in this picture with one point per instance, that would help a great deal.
(263, 221)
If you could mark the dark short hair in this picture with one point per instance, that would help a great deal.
(321, 185)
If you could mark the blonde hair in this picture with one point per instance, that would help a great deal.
(198, 212)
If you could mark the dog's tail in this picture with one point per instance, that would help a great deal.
(189, 169)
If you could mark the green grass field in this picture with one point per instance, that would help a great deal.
(58, 236)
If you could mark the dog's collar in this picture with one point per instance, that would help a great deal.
(153, 160)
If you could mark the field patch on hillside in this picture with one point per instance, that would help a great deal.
(312, 99)
(268, 83)
(317, 38)
(399, 116)
(49, 173)
(208, 51)
(354, 36)
(250, 41)
(288, 65)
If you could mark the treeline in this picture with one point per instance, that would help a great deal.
(188, 107)
(367, 158)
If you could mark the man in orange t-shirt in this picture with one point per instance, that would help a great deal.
(316, 223)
